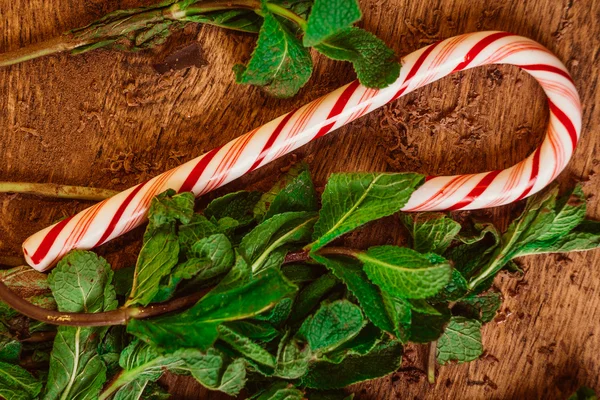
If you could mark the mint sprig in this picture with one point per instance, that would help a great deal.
(281, 63)
(259, 292)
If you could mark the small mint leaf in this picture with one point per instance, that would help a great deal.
(460, 342)
(375, 63)
(279, 63)
(431, 232)
(329, 17)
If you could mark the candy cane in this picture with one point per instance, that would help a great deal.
(125, 211)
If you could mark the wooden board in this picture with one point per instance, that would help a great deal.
(108, 119)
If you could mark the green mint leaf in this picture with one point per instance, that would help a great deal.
(384, 359)
(279, 63)
(216, 372)
(460, 342)
(113, 343)
(143, 364)
(123, 280)
(292, 197)
(456, 289)
(329, 17)
(299, 195)
(18, 384)
(368, 295)
(261, 331)
(404, 272)
(375, 63)
(360, 345)
(238, 206)
(279, 313)
(10, 347)
(431, 232)
(197, 327)
(291, 227)
(352, 200)
(168, 207)
(400, 314)
(239, 275)
(332, 325)
(422, 306)
(281, 391)
(586, 236)
(584, 393)
(302, 273)
(81, 282)
(159, 254)
(246, 346)
(198, 228)
(479, 246)
(238, 20)
(426, 328)
(292, 358)
(483, 306)
(310, 296)
(154, 392)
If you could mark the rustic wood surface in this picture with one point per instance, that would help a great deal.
(108, 119)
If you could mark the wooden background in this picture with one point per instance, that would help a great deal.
(108, 119)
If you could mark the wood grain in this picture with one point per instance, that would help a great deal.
(109, 119)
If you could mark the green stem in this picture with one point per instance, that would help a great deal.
(431, 360)
(59, 44)
(56, 190)
(494, 266)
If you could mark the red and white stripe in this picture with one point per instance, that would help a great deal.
(121, 213)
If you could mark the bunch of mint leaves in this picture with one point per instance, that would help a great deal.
(281, 63)
(289, 312)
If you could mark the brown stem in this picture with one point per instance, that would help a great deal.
(339, 251)
(56, 190)
(37, 337)
(431, 362)
(296, 256)
(116, 317)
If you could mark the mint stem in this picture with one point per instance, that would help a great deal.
(116, 317)
(57, 191)
(102, 33)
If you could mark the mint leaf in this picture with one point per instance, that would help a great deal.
(400, 314)
(292, 358)
(281, 391)
(216, 372)
(238, 20)
(310, 296)
(159, 254)
(460, 342)
(298, 194)
(431, 232)
(261, 331)
(18, 384)
(375, 63)
(262, 242)
(198, 228)
(456, 289)
(279, 63)
(352, 200)
(329, 17)
(483, 306)
(10, 347)
(168, 207)
(384, 359)
(584, 393)
(332, 325)
(360, 345)
(368, 295)
(404, 272)
(426, 328)
(197, 327)
(141, 365)
(586, 236)
(278, 314)
(246, 346)
(238, 206)
(302, 273)
(81, 282)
